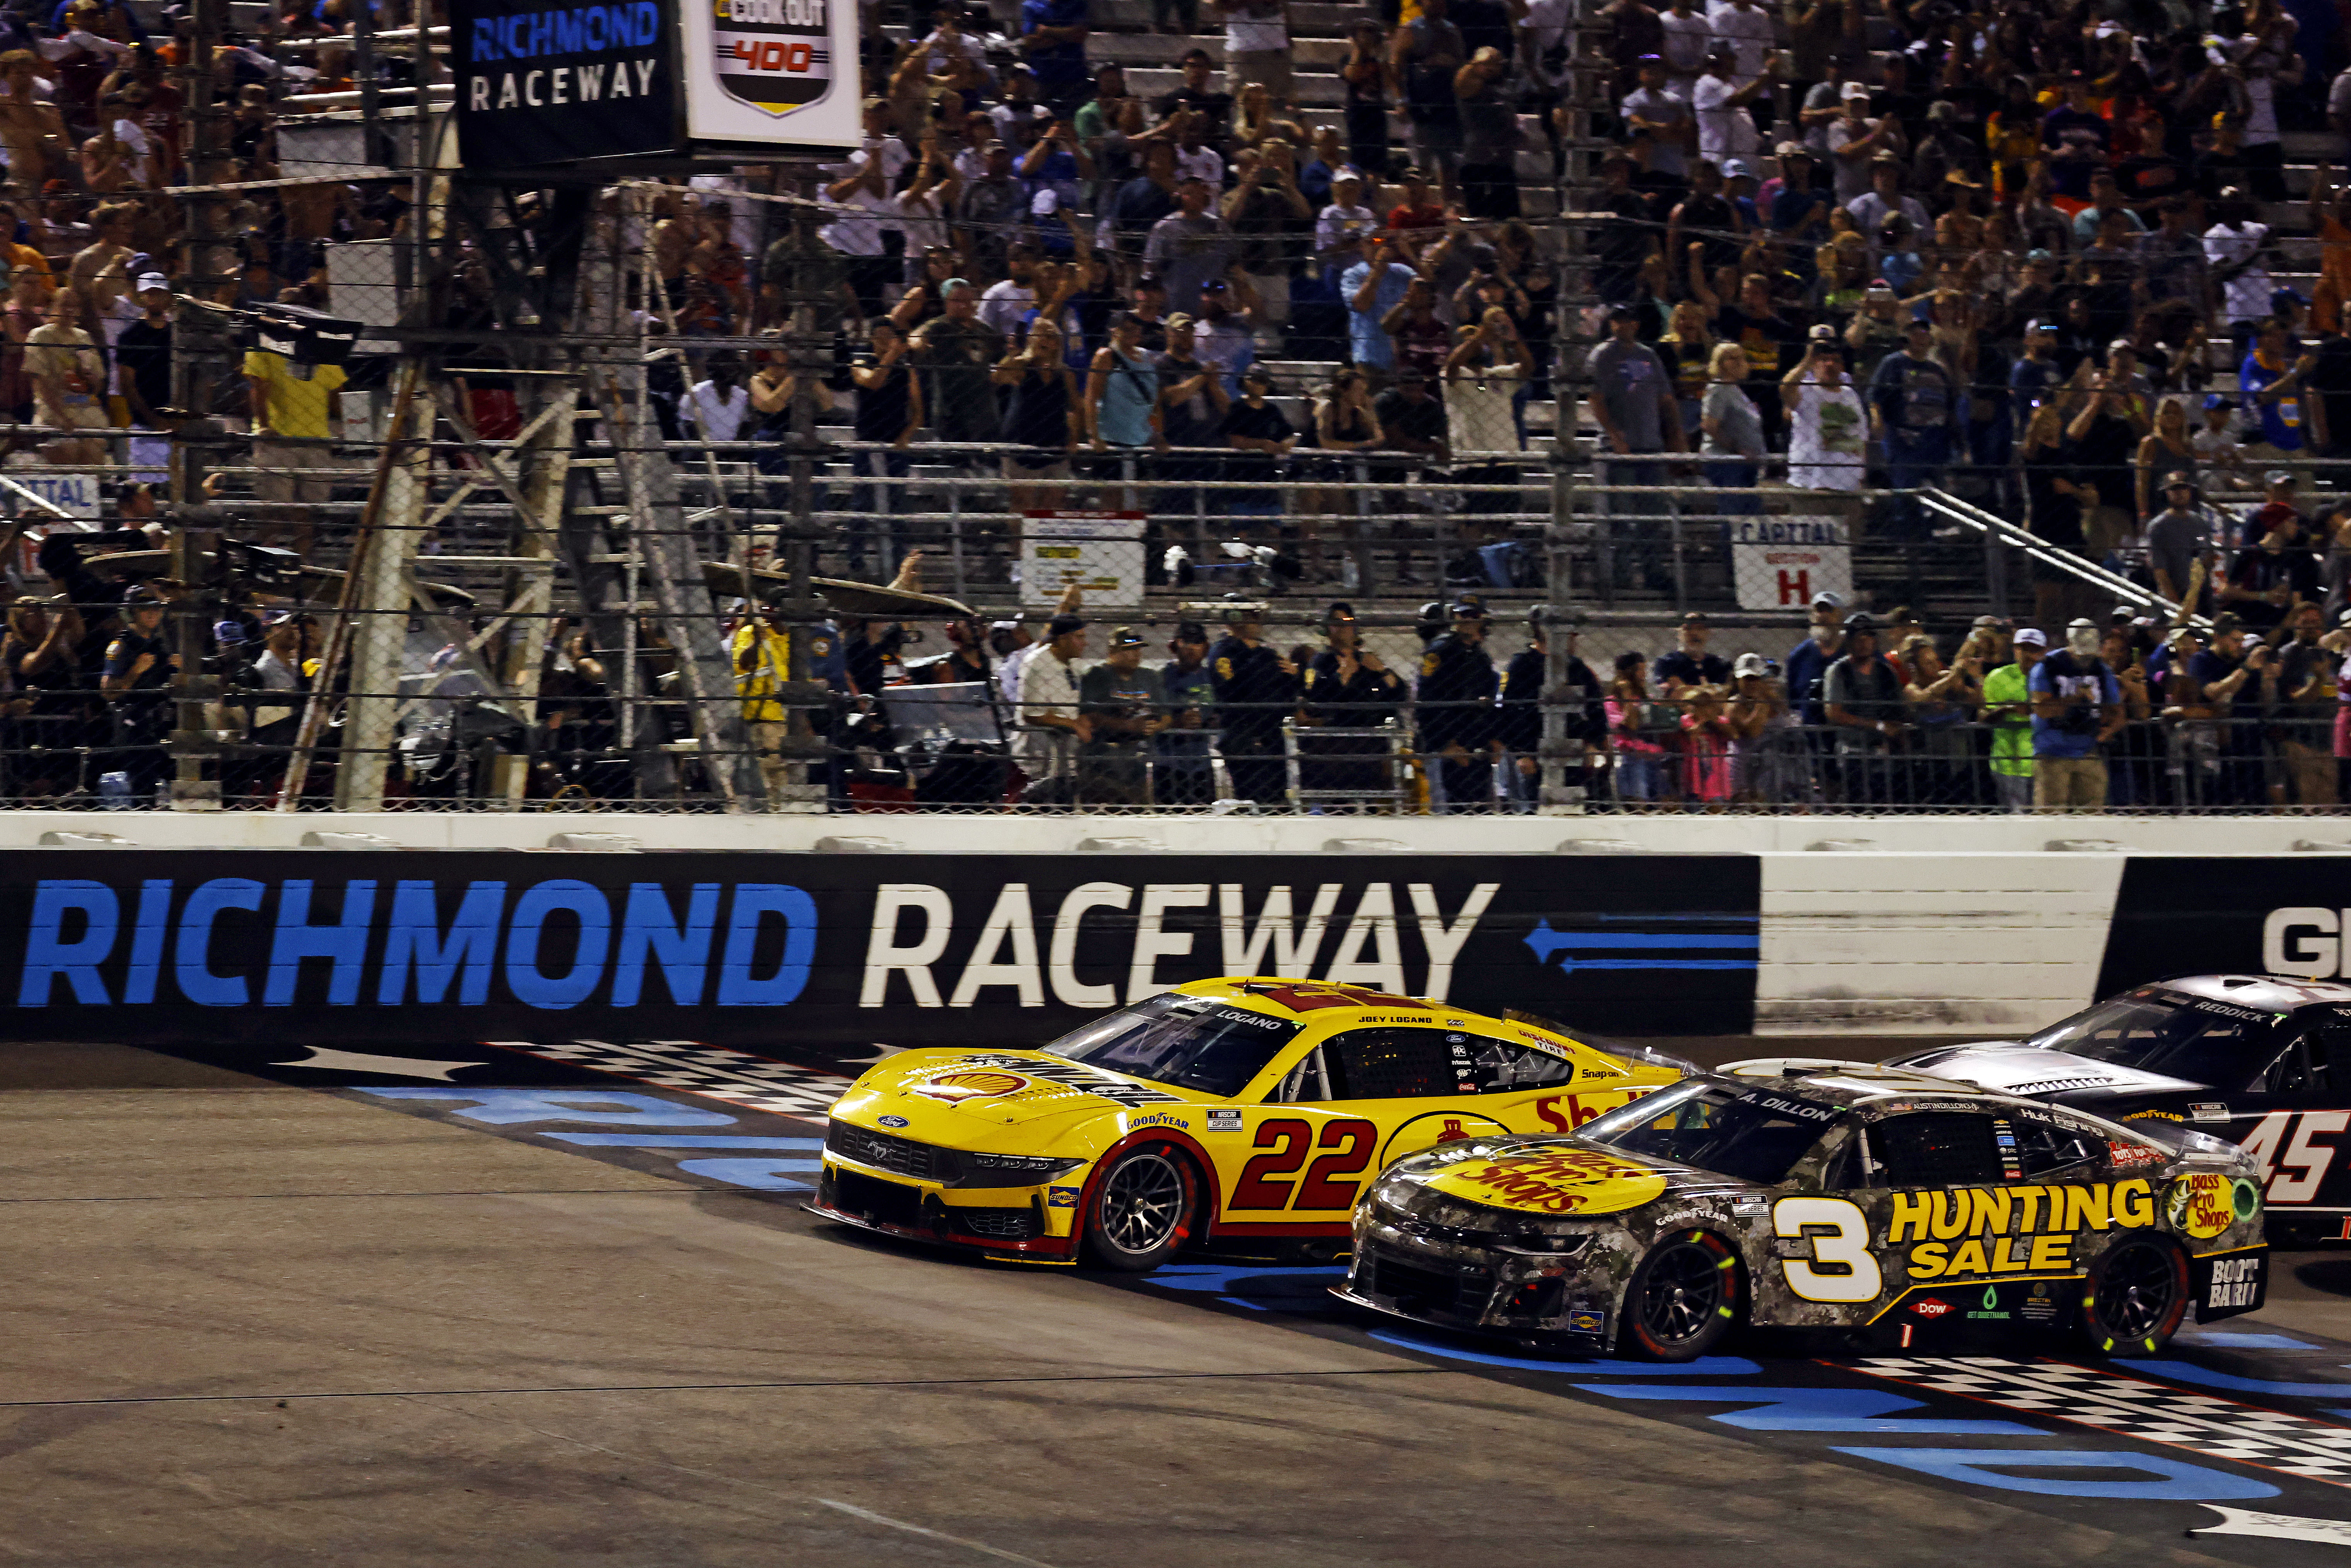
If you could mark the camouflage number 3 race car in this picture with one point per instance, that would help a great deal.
(1249, 1111)
(1830, 1195)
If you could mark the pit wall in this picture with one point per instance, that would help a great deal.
(908, 930)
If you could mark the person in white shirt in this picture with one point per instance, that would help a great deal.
(1005, 302)
(1747, 27)
(1256, 45)
(2235, 247)
(1828, 429)
(1339, 232)
(1725, 128)
(1049, 701)
(719, 405)
(861, 189)
(1689, 37)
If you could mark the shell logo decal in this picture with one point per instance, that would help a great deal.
(2203, 1204)
(957, 1087)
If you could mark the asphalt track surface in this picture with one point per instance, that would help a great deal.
(417, 1311)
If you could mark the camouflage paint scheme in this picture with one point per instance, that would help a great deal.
(2207, 1198)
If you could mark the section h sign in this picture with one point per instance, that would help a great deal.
(1782, 563)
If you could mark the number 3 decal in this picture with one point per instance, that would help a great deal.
(1850, 1247)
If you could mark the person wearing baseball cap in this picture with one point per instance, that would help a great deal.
(2179, 536)
(1052, 725)
(2078, 708)
(1256, 689)
(1120, 701)
(2008, 709)
(1453, 703)
(1346, 686)
(1181, 770)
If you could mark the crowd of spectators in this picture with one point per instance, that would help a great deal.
(2038, 254)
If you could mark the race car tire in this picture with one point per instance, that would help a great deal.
(1143, 1209)
(2134, 1297)
(1684, 1297)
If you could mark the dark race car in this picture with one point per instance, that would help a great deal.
(2260, 1060)
(1841, 1196)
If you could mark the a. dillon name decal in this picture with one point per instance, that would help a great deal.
(554, 944)
(1982, 1230)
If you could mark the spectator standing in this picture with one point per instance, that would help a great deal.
(1123, 392)
(1183, 773)
(293, 406)
(2273, 377)
(2305, 710)
(1862, 700)
(1828, 426)
(1121, 702)
(889, 412)
(1519, 724)
(1641, 735)
(1054, 40)
(1052, 723)
(2179, 538)
(1429, 53)
(2269, 580)
(1632, 401)
(1688, 663)
(958, 353)
(1454, 704)
(136, 681)
(1346, 686)
(1256, 689)
(1767, 763)
(761, 649)
(2007, 697)
(1915, 404)
(1257, 44)
(1810, 660)
(718, 405)
(1190, 245)
(2076, 709)
(1373, 288)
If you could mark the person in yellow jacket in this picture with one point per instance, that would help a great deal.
(762, 665)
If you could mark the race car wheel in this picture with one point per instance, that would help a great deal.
(1684, 1299)
(2135, 1298)
(1143, 1209)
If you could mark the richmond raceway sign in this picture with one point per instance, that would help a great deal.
(427, 946)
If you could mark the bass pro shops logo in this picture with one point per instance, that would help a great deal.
(773, 55)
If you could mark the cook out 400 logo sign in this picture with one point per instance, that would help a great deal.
(774, 55)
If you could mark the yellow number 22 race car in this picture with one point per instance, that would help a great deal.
(1234, 1110)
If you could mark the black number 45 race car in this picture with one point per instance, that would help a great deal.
(2261, 1061)
(1817, 1195)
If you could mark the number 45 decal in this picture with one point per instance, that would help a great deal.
(2308, 1162)
(1323, 1186)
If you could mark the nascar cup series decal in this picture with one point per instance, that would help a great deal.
(774, 55)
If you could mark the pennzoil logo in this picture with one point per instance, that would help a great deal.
(957, 1087)
(773, 55)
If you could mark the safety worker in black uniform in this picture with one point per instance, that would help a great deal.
(1347, 687)
(1256, 689)
(1455, 704)
(1521, 721)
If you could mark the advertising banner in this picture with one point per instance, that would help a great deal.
(772, 71)
(759, 949)
(2248, 914)
(1101, 552)
(545, 82)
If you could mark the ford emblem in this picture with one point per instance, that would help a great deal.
(894, 1121)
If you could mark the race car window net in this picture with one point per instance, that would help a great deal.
(1397, 1064)
(1193, 1042)
(1937, 1148)
(2042, 1148)
(1717, 1130)
(2184, 1042)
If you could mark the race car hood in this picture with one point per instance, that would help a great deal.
(999, 1088)
(2014, 1070)
(1549, 1177)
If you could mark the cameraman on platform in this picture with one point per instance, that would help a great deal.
(2078, 708)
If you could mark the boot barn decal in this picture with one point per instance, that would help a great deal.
(768, 951)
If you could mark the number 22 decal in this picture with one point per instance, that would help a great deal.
(1324, 1185)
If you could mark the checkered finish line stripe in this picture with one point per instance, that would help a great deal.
(2130, 1407)
(712, 1071)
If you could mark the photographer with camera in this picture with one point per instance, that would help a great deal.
(2078, 708)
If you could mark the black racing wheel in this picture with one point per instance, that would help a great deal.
(1143, 1209)
(2135, 1297)
(1684, 1298)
